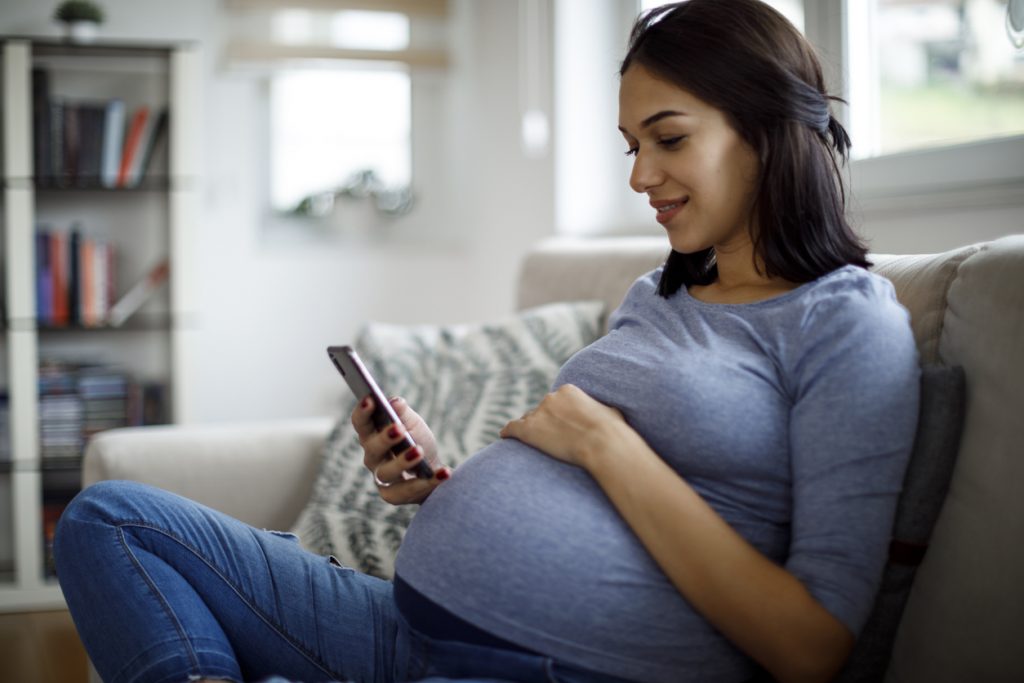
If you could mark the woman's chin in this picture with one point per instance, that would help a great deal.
(685, 244)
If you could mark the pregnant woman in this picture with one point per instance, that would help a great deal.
(706, 494)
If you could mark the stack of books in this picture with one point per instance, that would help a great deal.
(79, 400)
(60, 413)
(76, 281)
(75, 278)
(104, 393)
(91, 143)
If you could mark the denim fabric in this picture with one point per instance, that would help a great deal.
(165, 590)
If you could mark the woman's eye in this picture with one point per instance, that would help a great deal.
(672, 141)
(631, 152)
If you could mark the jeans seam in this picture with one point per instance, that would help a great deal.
(179, 629)
(281, 631)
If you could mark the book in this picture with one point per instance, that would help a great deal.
(51, 512)
(69, 174)
(148, 139)
(91, 124)
(113, 139)
(102, 274)
(56, 142)
(44, 279)
(59, 273)
(74, 282)
(131, 144)
(87, 314)
(139, 293)
(60, 411)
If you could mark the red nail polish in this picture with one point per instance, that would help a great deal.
(443, 474)
(393, 432)
(412, 453)
(365, 403)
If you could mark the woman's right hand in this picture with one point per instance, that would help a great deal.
(378, 459)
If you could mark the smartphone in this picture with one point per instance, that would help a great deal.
(362, 384)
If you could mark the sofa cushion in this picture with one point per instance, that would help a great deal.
(924, 490)
(921, 283)
(569, 269)
(964, 615)
(467, 382)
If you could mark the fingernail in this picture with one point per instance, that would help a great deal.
(412, 453)
(443, 474)
(393, 432)
(365, 403)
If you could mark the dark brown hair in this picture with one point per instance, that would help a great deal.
(745, 59)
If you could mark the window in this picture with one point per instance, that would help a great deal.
(330, 127)
(338, 77)
(929, 73)
(335, 126)
(935, 97)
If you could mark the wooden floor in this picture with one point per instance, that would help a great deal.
(41, 647)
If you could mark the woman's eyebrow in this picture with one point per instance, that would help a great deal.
(654, 118)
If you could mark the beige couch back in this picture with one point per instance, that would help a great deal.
(964, 620)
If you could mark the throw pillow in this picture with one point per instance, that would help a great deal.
(925, 485)
(466, 381)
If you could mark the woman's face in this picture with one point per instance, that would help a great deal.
(699, 174)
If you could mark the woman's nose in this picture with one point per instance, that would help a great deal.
(645, 173)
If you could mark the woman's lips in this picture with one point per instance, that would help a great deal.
(666, 211)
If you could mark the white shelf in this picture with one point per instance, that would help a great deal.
(146, 224)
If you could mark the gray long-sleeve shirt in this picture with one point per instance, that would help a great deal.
(792, 417)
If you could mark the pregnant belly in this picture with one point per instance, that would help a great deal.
(516, 539)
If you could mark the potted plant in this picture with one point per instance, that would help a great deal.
(81, 19)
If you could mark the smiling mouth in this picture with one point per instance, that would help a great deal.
(665, 207)
(666, 212)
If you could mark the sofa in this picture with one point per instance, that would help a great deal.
(964, 619)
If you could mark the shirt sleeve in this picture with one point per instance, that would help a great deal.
(851, 431)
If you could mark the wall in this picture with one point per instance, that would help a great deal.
(270, 307)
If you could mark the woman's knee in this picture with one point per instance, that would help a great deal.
(98, 507)
(106, 500)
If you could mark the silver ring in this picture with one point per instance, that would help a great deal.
(377, 480)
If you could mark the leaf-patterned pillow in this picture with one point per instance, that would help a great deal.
(466, 381)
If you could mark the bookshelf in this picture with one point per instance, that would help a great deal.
(81, 222)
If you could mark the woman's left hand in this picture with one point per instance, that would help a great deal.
(568, 425)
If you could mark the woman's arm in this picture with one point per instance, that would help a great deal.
(759, 606)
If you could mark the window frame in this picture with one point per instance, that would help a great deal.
(983, 173)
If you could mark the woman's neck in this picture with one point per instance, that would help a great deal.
(741, 278)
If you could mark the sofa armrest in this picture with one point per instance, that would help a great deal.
(261, 473)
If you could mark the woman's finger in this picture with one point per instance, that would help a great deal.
(393, 470)
(362, 418)
(413, 490)
(377, 446)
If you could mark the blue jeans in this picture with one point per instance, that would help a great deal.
(163, 589)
